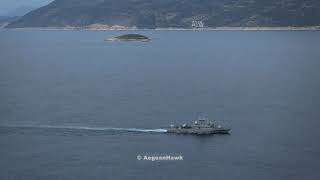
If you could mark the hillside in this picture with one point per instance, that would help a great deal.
(4, 20)
(174, 13)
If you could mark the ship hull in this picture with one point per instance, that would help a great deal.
(205, 131)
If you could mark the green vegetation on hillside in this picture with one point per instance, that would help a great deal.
(174, 13)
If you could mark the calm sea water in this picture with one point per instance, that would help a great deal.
(56, 84)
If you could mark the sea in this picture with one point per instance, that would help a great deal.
(76, 107)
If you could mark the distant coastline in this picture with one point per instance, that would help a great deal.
(309, 28)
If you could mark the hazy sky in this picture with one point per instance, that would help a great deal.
(7, 6)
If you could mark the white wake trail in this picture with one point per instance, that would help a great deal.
(94, 128)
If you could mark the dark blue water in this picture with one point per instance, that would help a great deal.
(56, 85)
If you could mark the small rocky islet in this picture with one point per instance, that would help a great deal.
(129, 37)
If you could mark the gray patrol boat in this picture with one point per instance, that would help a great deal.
(201, 126)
